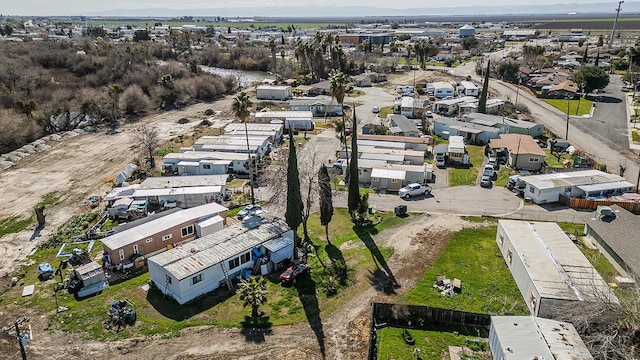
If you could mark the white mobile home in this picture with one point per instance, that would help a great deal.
(203, 167)
(551, 273)
(205, 264)
(457, 150)
(299, 120)
(529, 337)
(273, 92)
(468, 88)
(440, 89)
(274, 131)
(237, 144)
(236, 161)
(547, 188)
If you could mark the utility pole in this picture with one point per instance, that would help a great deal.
(566, 134)
(19, 336)
(518, 90)
(615, 22)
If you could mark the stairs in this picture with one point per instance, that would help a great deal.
(256, 267)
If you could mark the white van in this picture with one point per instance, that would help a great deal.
(440, 161)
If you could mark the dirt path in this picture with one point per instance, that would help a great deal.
(78, 167)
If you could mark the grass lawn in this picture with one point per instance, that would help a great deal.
(385, 111)
(561, 104)
(635, 136)
(467, 175)
(553, 162)
(503, 176)
(472, 256)
(302, 302)
(433, 343)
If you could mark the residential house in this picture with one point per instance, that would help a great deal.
(400, 125)
(155, 233)
(386, 179)
(564, 90)
(507, 125)
(421, 174)
(273, 131)
(547, 188)
(410, 143)
(205, 264)
(493, 106)
(467, 88)
(451, 106)
(457, 151)
(299, 120)
(472, 133)
(408, 106)
(393, 156)
(440, 89)
(530, 337)
(236, 143)
(320, 88)
(204, 167)
(318, 107)
(236, 161)
(617, 237)
(552, 274)
(186, 191)
(521, 151)
(362, 80)
(273, 92)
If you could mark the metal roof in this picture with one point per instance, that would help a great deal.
(529, 337)
(277, 244)
(388, 174)
(200, 254)
(237, 139)
(556, 267)
(253, 127)
(204, 155)
(191, 190)
(606, 186)
(284, 115)
(183, 181)
(572, 178)
(382, 144)
(157, 225)
(87, 271)
(383, 157)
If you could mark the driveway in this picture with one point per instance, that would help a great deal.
(374, 96)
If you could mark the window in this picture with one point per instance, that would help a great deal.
(186, 231)
(149, 240)
(374, 179)
(533, 300)
(121, 254)
(206, 166)
(135, 249)
(196, 279)
(510, 256)
(501, 240)
(534, 159)
(531, 189)
(393, 181)
(167, 237)
(234, 263)
(245, 258)
(167, 279)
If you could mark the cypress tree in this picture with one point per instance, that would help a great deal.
(326, 202)
(353, 200)
(293, 214)
(482, 103)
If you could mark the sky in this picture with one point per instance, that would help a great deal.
(79, 7)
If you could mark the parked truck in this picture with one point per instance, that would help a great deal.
(414, 189)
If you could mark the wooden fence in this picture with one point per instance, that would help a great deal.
(576, 203)
(418, 317)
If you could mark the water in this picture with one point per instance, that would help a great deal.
(245, 78)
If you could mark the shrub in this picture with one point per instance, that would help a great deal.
(134, 101)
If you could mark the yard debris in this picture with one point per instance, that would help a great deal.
(446, 286)
(121, 313)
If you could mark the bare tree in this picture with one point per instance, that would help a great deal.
(308, 164)
(148, 137)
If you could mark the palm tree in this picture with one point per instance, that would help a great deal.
(240, 107)
(253, 292)
(337, 82)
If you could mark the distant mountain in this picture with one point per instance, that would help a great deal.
(366, 11)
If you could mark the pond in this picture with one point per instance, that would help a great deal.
(245, 78)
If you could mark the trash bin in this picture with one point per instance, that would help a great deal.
(370, 210)
(400, 210)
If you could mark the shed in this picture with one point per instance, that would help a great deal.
(552, 274)
(386, 179)
(209, 226)
(273, 92)
(279, 249)
(528, 337)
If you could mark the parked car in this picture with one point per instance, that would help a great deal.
(292, 273)
(485, 181)
(375, 110)
(248, 210)
(440, 161)
(429, 114)
(339, 163)
(493, 161)
(414, 189)
(489, 171)
(625, 88)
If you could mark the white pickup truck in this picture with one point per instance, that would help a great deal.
(414, 189)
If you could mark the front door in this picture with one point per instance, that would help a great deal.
(383, 183)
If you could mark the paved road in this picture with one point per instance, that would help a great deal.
(590, 141)
(374, 96)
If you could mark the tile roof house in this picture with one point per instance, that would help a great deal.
(522, 151)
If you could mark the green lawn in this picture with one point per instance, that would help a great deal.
(561, 104)
(467, 174)
(387, 110)
(433, 343)
(472, 256)
(157, 314)
(503, 176)
(552, 161)
(635, 136)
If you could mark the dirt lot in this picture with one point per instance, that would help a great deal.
(78, 167)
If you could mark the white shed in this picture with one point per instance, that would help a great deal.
(273, 92)
(209, 226)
